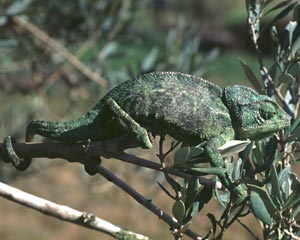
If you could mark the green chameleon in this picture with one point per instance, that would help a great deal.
(188, 108)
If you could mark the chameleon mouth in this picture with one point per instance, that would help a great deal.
(264, 128)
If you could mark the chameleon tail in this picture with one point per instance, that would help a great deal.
(71, 131)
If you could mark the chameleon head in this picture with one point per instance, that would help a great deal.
(253, 116)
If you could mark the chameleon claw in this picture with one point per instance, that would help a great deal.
(20, 164)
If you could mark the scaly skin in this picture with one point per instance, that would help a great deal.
(185, 107)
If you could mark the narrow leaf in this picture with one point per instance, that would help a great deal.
(251, 76)
(295, 123)
(259, 209)
(280, 15)
(192, 190)
(290, 27)
(283, 179)
(265, 196)
(276, 192)
(178, 210)
(279, 5)
(292, 200)
(232, 147)
(295, 134)
(211, 170)
(181, 156)
(213, 221)
(237, 170)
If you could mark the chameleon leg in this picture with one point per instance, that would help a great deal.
(133, 127)
(217, 161)
(216, 142)
(12, 156)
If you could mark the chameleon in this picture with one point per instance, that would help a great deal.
(188, 108)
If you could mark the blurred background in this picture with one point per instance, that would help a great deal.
(58, 58)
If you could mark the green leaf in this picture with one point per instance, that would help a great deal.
(295, 134)
(283, 179)
(296, 212)
(279, 5)
(294, 197)
(272, 70)
(290, 27)
(178, 210)
(192, 190)
(259, 209)
(213, 221)
(265, 196)
(295, 123)
(237, 170)
(292, 200)
(182, 156)
(251, 76)
(280, 15)
(246, 153)
(204, 196)
(188, 155)
(232, 147)
(211, 170)
(195, 152)
(276, 192)
(294, 69)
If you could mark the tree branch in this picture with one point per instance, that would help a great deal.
(81, 152)
(66, 213)
(172, 222)
(56, 46)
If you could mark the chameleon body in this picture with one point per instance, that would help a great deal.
(188, 108)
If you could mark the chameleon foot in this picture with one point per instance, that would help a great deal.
(20, 164)
(91, 165)
(140, 133)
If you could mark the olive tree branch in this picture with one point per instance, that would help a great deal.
(172, 222)
(254, 23)
(81, 152)
(77, 152)
(66, 213)
(60, 49)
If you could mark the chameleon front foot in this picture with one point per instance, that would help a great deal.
(11, 156)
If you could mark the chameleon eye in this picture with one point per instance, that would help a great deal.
(267, 111)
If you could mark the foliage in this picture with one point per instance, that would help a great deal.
(266, 170)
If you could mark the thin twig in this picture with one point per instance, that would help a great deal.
(66, 213)
(248, 229)
(145, 202)
(270, 85)
(42, 36)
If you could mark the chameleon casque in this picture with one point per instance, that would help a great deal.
(188, 108)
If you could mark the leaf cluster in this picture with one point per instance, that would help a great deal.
(262, 169)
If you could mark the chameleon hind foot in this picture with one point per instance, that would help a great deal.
(140, 133)
(11, 156)
(91, 165)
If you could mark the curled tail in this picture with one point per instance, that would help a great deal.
(72, 131)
